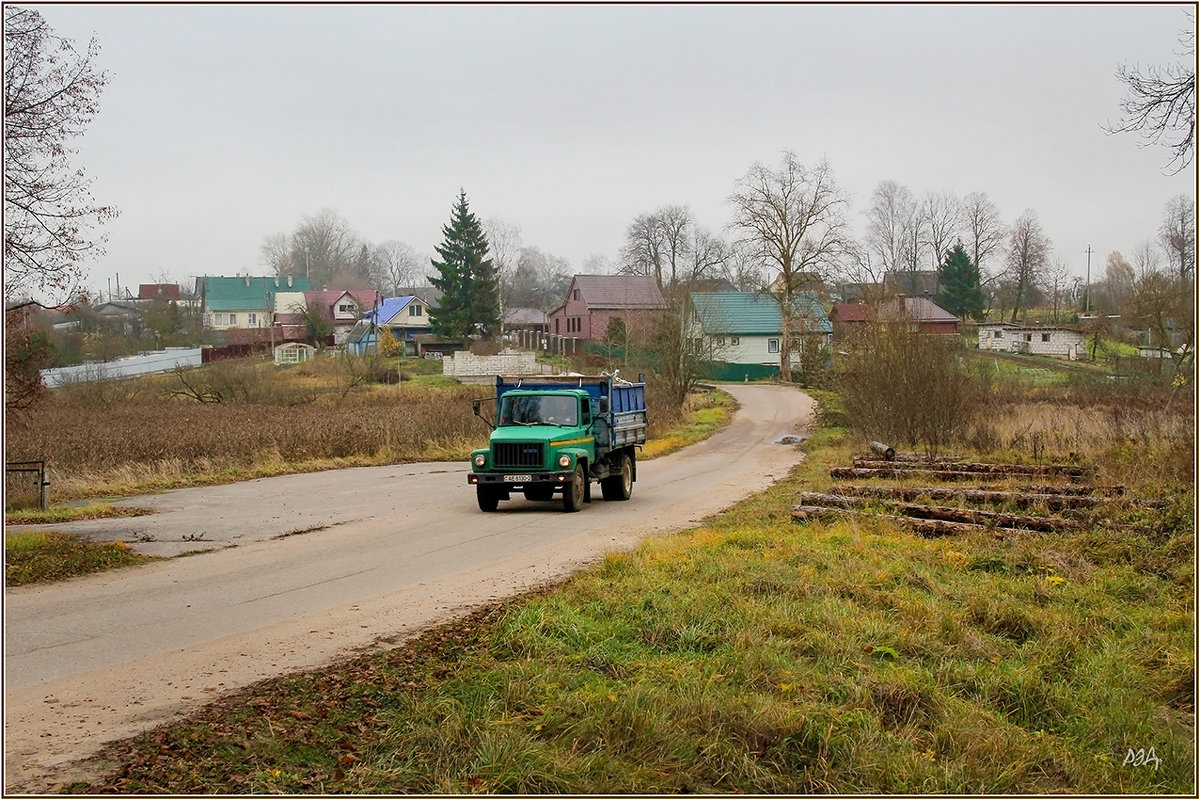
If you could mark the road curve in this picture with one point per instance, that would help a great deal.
(325, 564)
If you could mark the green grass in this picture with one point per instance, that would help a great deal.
(752, 655)
(70, 513)
(42, 557)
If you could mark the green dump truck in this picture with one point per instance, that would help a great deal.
(555, 435)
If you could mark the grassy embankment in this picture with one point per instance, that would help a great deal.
(755, 654)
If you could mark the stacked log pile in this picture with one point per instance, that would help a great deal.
(927, 510)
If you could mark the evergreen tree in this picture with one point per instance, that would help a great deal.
(958, 277)
(467, 279)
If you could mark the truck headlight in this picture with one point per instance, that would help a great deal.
(480, 460)
(564, 461)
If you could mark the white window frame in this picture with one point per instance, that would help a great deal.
(773, 346)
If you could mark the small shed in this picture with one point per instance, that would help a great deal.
(293, 353)
(1045, 340)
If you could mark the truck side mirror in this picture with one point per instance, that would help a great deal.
(475, 406)
(602, 405)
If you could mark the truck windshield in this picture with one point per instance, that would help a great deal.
(538, 410)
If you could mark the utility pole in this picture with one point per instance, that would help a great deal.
(1087, 293)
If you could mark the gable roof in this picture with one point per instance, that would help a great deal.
(525, 316)
(619, 291)
(247, 291)
(852, 312)
(390, 307)
(917, 309)
(755, 313)
(328, 298)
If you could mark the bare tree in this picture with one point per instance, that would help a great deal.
(657, 244)
(941, 213)
(707, 256)
(275, 254)
(642, 253)
(597, 264)
(1118, 282)
(504, 245)
(539, 280)
(1058, 279)
(1158, 306)
(1145, 262)
(1161, 104)
(860, 267)
(1178, 237)
(323, 245)
(1028, 251)
(402, 266)
(51, 94)
(792, 217)
(984, 228)
(743, 268)
(890, 220)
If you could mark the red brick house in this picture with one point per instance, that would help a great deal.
(593, 301)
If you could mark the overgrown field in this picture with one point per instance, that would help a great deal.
(125, 437)
(755, 654)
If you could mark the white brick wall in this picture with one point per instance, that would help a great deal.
(464, 364)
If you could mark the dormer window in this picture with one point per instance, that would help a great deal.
(414, 311)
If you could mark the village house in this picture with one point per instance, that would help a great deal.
(405, 318)
(1044, 340)
(921, 311)
(594, 301)
(240, 310)
(341, 309)
(740, 333)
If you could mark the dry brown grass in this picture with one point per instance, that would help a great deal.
(130, 436)
(1129, 434)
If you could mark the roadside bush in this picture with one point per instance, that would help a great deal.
(905, 387)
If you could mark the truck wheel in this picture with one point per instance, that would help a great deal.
(620, 485)
(488, 498)
(573, 494)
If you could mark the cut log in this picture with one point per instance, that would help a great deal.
(860, 473)
(1054, 502)
(883, 451)
(1069, 470)
(998, 519)
(924, 527)
(1077, 489)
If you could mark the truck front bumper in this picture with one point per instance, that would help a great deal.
(519, 480)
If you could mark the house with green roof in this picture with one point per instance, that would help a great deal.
(739, 333)
(240, 310)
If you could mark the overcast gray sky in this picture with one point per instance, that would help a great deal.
(224, 124)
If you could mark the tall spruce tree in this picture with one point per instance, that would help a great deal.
(467, 278)
(958, 277)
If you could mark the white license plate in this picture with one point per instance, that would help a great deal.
(518, 478)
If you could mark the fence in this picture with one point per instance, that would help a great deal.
(26, 479)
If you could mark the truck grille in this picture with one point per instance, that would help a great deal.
(519, 454)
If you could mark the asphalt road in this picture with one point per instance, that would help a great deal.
(303, 569)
